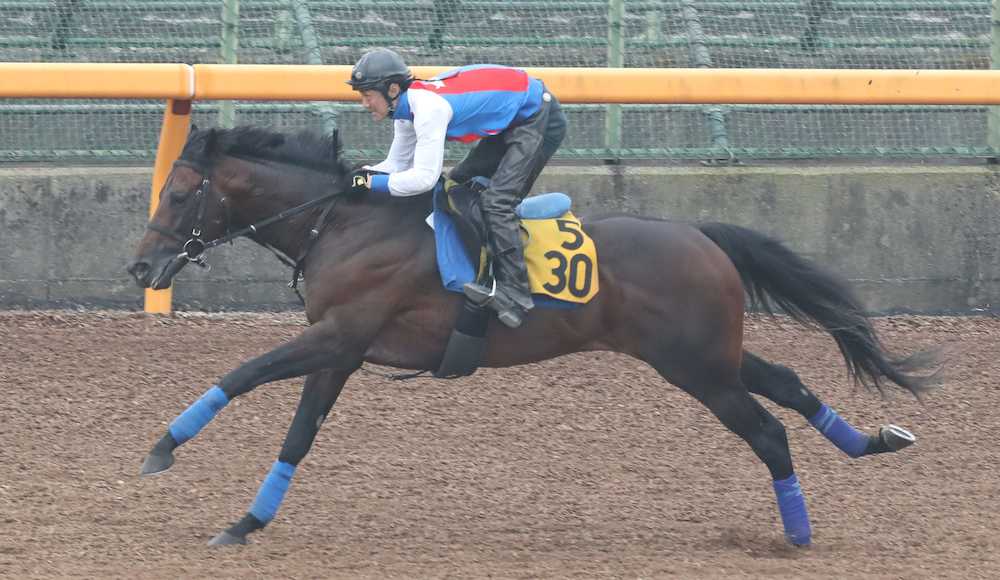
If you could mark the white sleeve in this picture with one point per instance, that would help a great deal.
(431, 115)
(400, 158)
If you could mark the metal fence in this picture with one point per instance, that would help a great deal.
(632, 33)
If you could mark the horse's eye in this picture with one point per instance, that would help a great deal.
(179, 197)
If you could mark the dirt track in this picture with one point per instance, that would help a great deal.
(587, 466)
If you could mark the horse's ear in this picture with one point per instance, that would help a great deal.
(210, 140)
(211, 136)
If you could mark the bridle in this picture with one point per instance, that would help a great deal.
(194, 247)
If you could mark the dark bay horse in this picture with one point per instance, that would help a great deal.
(671, 295)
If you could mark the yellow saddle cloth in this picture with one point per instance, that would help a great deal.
(561, 258)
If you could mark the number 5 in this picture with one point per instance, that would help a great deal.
(570, 228)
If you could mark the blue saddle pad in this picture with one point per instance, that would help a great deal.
(454, 264)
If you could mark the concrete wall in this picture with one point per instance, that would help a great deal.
(919, 239)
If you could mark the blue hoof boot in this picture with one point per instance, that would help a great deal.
(792, 505)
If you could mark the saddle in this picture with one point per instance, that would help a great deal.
(561, 258)
(561, 261)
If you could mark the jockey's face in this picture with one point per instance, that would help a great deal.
(375, 101)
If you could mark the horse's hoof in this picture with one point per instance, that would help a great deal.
(896, 437)
(227, 539)
(800, 540)
(157, 463)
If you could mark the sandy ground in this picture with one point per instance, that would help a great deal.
(588, 466)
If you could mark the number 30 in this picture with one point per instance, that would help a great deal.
(568, 271)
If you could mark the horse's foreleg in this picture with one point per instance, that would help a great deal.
(318, 396)
(781, 385)
(315, 349)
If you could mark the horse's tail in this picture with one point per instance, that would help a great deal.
(774, 275)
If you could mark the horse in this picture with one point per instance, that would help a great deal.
(672, 295)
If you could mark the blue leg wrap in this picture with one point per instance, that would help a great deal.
(195, 417)
(272, 491)
(846, 438)
(792, 505)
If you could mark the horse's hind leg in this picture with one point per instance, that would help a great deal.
(729, 400)
(781, 385)
(318, 396)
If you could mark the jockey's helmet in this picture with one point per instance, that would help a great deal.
(379, 68)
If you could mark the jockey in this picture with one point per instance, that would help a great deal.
(518, 125)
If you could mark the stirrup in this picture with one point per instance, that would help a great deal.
(478, 294)
(508, 311)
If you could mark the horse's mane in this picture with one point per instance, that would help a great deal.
(304, 148)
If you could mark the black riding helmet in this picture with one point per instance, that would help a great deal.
(379, 68)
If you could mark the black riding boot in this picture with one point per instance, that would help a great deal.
(511, 298)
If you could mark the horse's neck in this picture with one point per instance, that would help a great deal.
(363, 220)
(273, 195)
(359, 221)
